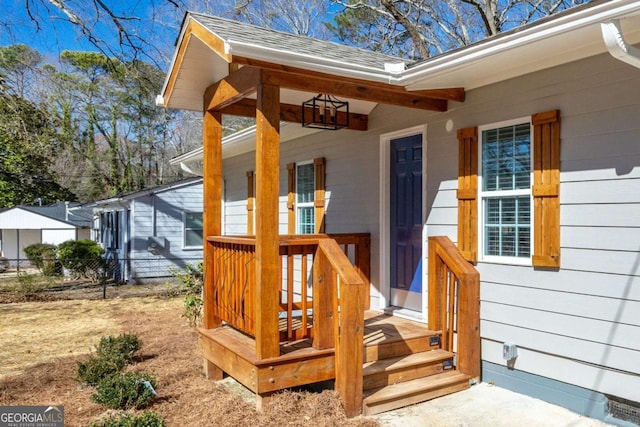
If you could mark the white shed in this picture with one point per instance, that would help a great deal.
(22, 226)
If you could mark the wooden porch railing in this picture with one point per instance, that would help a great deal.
(454, 303)
(336, 270)
(233, 289)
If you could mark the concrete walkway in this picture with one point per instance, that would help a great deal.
(484, 405)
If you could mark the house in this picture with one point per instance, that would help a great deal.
(25, 225)
(152, 233)
(521, 149)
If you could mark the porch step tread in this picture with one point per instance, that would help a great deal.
(410, 392)
(404, 368)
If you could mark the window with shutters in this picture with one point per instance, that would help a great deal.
(505, 196)
(305, 197)
(509, 191)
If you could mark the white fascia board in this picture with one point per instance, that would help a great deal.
(310, 62)
(592, 15)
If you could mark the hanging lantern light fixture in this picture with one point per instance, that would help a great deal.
(325, 112)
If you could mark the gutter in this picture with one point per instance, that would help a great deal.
(550, 26)
(616, 45)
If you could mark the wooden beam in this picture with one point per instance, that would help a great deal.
(212, 207)
(232, 88)
(290, 113)
(346, 88)
(268, 268)
(452, 94)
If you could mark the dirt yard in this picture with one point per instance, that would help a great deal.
(41, 343)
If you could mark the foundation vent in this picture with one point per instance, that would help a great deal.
(625, 410)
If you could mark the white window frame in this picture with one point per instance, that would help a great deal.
(311, 204)
(184, 230)
(483, 195)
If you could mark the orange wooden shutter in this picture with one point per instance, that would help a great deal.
(468, 193)
(291, 198)
(251, 201)
(319, 196)
(546, 189)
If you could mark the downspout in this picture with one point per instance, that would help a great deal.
(618, 48)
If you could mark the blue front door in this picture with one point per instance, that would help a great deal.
(406, 222)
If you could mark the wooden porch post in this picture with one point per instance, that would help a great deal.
(212, 219)
(267, 233)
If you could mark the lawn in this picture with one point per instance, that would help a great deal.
(41, 343)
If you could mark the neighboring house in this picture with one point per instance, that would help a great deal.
(524, 149)
(22, 226)
(151, 233)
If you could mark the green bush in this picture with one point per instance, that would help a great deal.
(83, 258)
(124, 346)
(113, 353)
(96, 369)
(125, 390)
(43, 256)
(145, 419)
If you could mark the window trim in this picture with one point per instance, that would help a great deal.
(184, 230)
(483, 195)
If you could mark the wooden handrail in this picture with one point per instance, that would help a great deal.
(340, 325)
(454, 303)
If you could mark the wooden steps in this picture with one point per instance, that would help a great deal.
(415, 391)
(406, 367)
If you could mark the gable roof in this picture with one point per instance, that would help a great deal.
(207, 45)
(126, 197)
(241, 37)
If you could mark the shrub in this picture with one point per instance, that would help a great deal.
(112, 354)
(43, 256)
(83, 258)
(124, 347)
(125, 390)
(96, 369)
(191, 280)
(145, 419)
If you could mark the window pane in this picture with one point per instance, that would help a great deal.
(193, 229)
(506, 158)
(193, 238)
(305, 183)
(507, 228)
(306, 224)
(193, 220)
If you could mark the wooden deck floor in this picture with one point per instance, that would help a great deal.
(299, 363)
(379, 329)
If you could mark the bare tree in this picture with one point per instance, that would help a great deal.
(115, 29)
(423, 28)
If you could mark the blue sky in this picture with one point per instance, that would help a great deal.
(56, 34)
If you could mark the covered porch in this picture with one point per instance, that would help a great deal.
(288, 310)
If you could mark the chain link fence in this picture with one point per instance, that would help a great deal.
(93, 275)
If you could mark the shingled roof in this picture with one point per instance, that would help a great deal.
(264, 38)
(80, 216)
